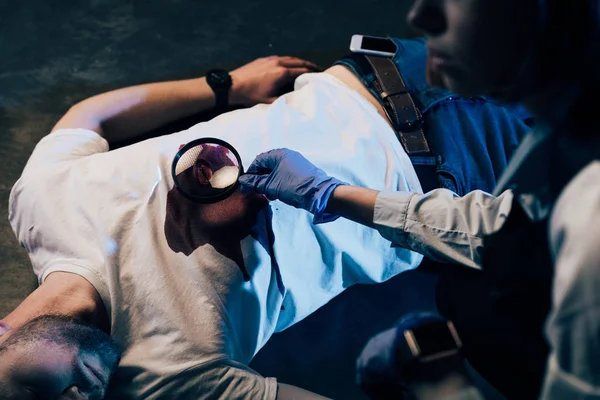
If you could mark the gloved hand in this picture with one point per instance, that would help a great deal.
(286, 175)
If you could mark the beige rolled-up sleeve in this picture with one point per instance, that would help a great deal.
(439, 224)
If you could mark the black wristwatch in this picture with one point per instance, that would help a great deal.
(220, 82)
(422, 338)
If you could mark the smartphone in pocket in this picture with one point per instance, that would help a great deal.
(372, 45)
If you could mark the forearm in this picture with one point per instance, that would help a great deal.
(124, 113)
(438, 224)
(441, 225)
(354, 203)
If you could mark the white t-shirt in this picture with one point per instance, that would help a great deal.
(170, 278)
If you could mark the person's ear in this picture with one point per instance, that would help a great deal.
(4, 327)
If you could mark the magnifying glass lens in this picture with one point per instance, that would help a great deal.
(207, 170)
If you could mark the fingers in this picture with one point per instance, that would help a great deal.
(253, 183)
(266, 162)
(263, 163)
(290, 74)
(293, 62)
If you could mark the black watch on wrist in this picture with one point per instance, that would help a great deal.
(220, 82)
(423, 340)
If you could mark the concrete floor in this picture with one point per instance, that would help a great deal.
(53, 54)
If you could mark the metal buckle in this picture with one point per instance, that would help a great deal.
(385, 95)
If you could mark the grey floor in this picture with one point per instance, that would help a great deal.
(54, 53)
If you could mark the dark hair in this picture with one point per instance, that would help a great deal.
(38, 329)
(6, 393)
(64, 332)
(71, 331)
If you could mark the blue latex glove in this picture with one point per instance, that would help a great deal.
(285, 175)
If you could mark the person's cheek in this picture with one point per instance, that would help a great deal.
(245, 207)
(469, 38)
(256, 202)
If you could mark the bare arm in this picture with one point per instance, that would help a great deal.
(125, 113)
(354, 203)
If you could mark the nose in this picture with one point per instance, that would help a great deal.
(428, 17)
(73, 393)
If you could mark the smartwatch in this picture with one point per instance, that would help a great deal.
(425, 337)
(220, 82)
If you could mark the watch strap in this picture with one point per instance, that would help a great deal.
(221, 89)
(221, 98)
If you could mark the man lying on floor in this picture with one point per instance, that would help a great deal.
(128, 266)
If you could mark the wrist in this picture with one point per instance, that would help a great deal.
(203, 91)
(353, 202)
(220, 82)
(319, 207)
(236, 92)
(452, 383)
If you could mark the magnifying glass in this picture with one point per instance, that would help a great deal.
(206, 170)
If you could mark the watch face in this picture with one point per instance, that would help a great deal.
(219, 78)
(435, 337)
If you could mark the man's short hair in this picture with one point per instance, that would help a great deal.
(32, 330)
(70, 331)
(35, 330)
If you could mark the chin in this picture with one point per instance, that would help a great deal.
(454, 80)
(461, 87)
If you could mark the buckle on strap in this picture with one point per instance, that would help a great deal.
(406, 115)
(385, 95)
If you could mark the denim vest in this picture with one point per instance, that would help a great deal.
(471, 138)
